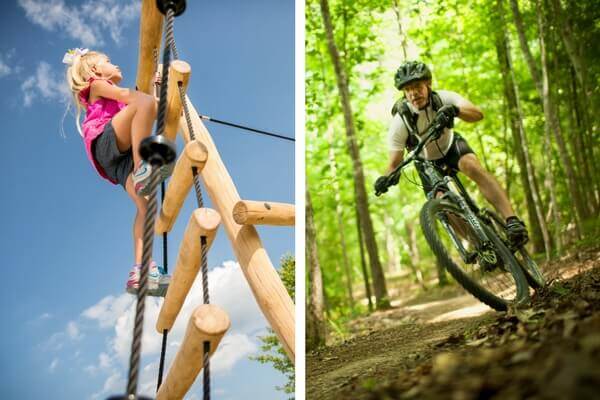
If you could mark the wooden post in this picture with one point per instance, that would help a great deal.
(194, 155)
(208, 323)
(203, 222)
(270, 294)
(151, 25)
(247, 212)
(179, 71)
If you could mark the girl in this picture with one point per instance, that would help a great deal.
(117, 120)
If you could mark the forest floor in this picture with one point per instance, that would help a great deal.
(447, 345)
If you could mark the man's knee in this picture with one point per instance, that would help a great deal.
(470, 166)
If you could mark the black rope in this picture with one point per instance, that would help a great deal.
(218, 121)
(161, 366)
(136, 345)
(203, 247)
(203, 239)
(171, 40)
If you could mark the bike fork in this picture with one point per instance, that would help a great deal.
(467, 257)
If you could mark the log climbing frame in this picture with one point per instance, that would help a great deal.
(200, 159)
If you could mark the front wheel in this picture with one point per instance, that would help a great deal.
(490, 272)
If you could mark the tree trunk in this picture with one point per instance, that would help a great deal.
(414, 255)
(362, 203)
(571, 45)
(549, 116)
(551, 121)
(581, 71)
(340, 221)
(394, 262)
(363, 263)
(316, 328)
(403, 41)
(521, 147)
(584, 144)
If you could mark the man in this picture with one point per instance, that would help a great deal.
(411, 117)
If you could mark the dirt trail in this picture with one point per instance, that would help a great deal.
(459, 348)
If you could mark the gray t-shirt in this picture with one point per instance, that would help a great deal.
(398, 132)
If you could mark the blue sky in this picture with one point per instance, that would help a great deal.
(66, 241)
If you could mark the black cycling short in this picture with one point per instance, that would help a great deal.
(449, 163)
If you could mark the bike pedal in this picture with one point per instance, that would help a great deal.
(471, 258)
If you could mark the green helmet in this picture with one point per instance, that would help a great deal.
(411, 71)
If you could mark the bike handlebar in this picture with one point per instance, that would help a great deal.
(431, 131)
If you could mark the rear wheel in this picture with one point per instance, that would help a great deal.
(490, 273)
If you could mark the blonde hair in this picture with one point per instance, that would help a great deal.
(77, 76)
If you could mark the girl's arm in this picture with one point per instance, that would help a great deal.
(101, 88)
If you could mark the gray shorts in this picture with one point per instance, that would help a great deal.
(116, 165)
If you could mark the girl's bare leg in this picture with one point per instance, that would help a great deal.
(134, 123)
(141, 205)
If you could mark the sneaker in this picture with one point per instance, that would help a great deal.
(133, 283)
(153, 276)
(141, 176)
(156, 280)
(516, 231)
(165, 278)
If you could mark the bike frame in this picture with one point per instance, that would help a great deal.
(452, 189)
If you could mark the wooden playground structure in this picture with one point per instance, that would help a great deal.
(208, 323)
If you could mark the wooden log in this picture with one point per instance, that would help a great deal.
(203, 222)
(193, 155)
(151, 25)
(270, 294)
(247, 212)
(207, 323)
(179, 71)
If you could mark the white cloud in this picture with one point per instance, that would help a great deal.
(54, 343)
(86, 23)
(53, 365)
(108, 310)
(233, 348)
(5, 67)
(46, 85)
(228, 289)
(104, 360)
(73, 331)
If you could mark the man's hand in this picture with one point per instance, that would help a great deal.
(381, 185)
(445, 115)
(384, 182)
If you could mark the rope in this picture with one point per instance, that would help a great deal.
(171, 41)
(218, 121)
(203, 247)
(161, 366)
(203, 240)
(165, 237)
(136, 345)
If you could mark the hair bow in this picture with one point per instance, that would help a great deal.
(71, 53)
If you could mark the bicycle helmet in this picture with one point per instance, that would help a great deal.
(409, 72)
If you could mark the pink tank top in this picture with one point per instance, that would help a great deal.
(97, 116)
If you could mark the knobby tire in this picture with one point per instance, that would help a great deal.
(428, 225)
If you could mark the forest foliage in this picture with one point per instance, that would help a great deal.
(556, 92)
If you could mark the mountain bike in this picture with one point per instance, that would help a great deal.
(470, 242)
